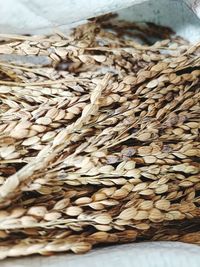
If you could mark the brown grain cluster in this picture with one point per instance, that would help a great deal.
(100, 145)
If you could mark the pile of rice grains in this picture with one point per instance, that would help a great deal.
(99, 142)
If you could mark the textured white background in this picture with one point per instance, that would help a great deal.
(157, 254)
(25, 16)
(41, 16)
